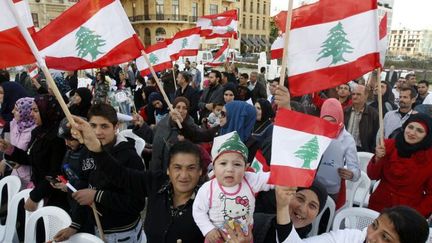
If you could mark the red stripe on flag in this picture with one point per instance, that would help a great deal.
(186, 33)
(230, 13)
(16, 1)
(330, 77)
(291, 176)
(14, 49)
(276, 53)
(324, 11)
(157, 68)
(383, 27)
(69, 20)
(117, 53)
(224, 35)
(306, 123)
(155, 47)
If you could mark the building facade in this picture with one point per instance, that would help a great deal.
(156, 20)
(43, 11)
(413, 43)
(254, 25)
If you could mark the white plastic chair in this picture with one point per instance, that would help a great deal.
(11, 219)
(374, 185)
(54, 218)
(331, 206)
(139, 142)
(354, 218)
(357, 191)
(83, 238)
(364, 158)
(13, 185)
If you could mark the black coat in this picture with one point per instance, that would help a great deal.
(162, 223)
(368, 127)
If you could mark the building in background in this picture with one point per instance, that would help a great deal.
(254, 25)
(412, 43)
(43, 11)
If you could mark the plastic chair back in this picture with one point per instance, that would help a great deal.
(357, 191)
(331, 206)
(364, 158)
(84, 238)
(354, 218)
(13, 185)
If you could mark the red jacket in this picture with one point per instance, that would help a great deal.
(404, 181)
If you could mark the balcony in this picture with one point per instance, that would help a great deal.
(162, 18)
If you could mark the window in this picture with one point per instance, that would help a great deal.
(257, 24)
(194, 12)
(251, 6)
(244, 21)
(264, 24)
(147, 37)
(244, 5)
(250, 22)
(160, 34)
(175, 9)
(35, 19)
(213, 8)
(159, 9)
(264, 8)
(258, 7)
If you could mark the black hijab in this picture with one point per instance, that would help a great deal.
(404, 149)
(50, 112)
(12, 92)
(83, 107)
(266, 115)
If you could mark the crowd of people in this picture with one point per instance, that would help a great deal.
(194, 189)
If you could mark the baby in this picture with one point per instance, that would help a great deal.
(230, 196)
(214, 117)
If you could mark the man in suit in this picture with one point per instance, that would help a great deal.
(391, 76)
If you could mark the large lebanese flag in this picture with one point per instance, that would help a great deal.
(90, 34)
(14, 50)
(158, 57)
(331, 42)
(223, 25)
(221, 56)
(184, 43)
(298, 143)
(383, 39)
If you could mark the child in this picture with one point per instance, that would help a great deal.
(230, 196)
(214, 117)
(20, 133)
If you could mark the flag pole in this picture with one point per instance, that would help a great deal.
(286, 41)
(144, 54)
(174, 76)
(53, 87)
(380, 108)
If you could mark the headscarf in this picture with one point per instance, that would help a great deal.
(147, 91)
(404, 149)
(320, 191)
(181, 99)
(83, 107)
(157, 96)
(12, 92)
(240, 117)
(266, 115)
(24, 109)
(333, 108)
(231, 87)
(50, 112)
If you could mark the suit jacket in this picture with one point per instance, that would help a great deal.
(393, 79)
(259, 92)
(368, 127)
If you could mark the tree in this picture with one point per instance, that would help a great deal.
(234, 143)
(88, 42)
(336, 45)
(153, 59)
(184, 43)
(308, 152)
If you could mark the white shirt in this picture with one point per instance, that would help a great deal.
(428, 99)
(334, 236)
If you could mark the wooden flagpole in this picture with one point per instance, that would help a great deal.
(53, 87)
(380, 108)
(286, 41)
(174, 76)
(144, 54)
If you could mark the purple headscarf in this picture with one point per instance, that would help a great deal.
(24, 109)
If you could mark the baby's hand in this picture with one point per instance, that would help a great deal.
(213, 236)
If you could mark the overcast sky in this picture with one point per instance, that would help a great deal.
(411, 14)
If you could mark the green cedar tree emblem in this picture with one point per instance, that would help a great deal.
(308, 152)
(230, 29)
(336, 45)
(256, 166)
(184, 43)
(153, 59)
(88, 42)
(234, 143)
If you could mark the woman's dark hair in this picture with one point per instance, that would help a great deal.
(4, 76)
(185, 147)
(408, 223)
(104, 110)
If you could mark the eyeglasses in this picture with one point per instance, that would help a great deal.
(223, 114)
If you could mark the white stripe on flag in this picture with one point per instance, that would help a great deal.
(7, 20)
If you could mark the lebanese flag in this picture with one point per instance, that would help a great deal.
(13, 47)
(221, 56)
(159, 59)
(259, 163)
(223, 25)
(33, 71)
(298, 143)
(90, 34)
(383, 39)
(184, 43)
(331, 42)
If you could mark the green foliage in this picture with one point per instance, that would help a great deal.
(336, 45)
(88, 42)
(308, 152)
